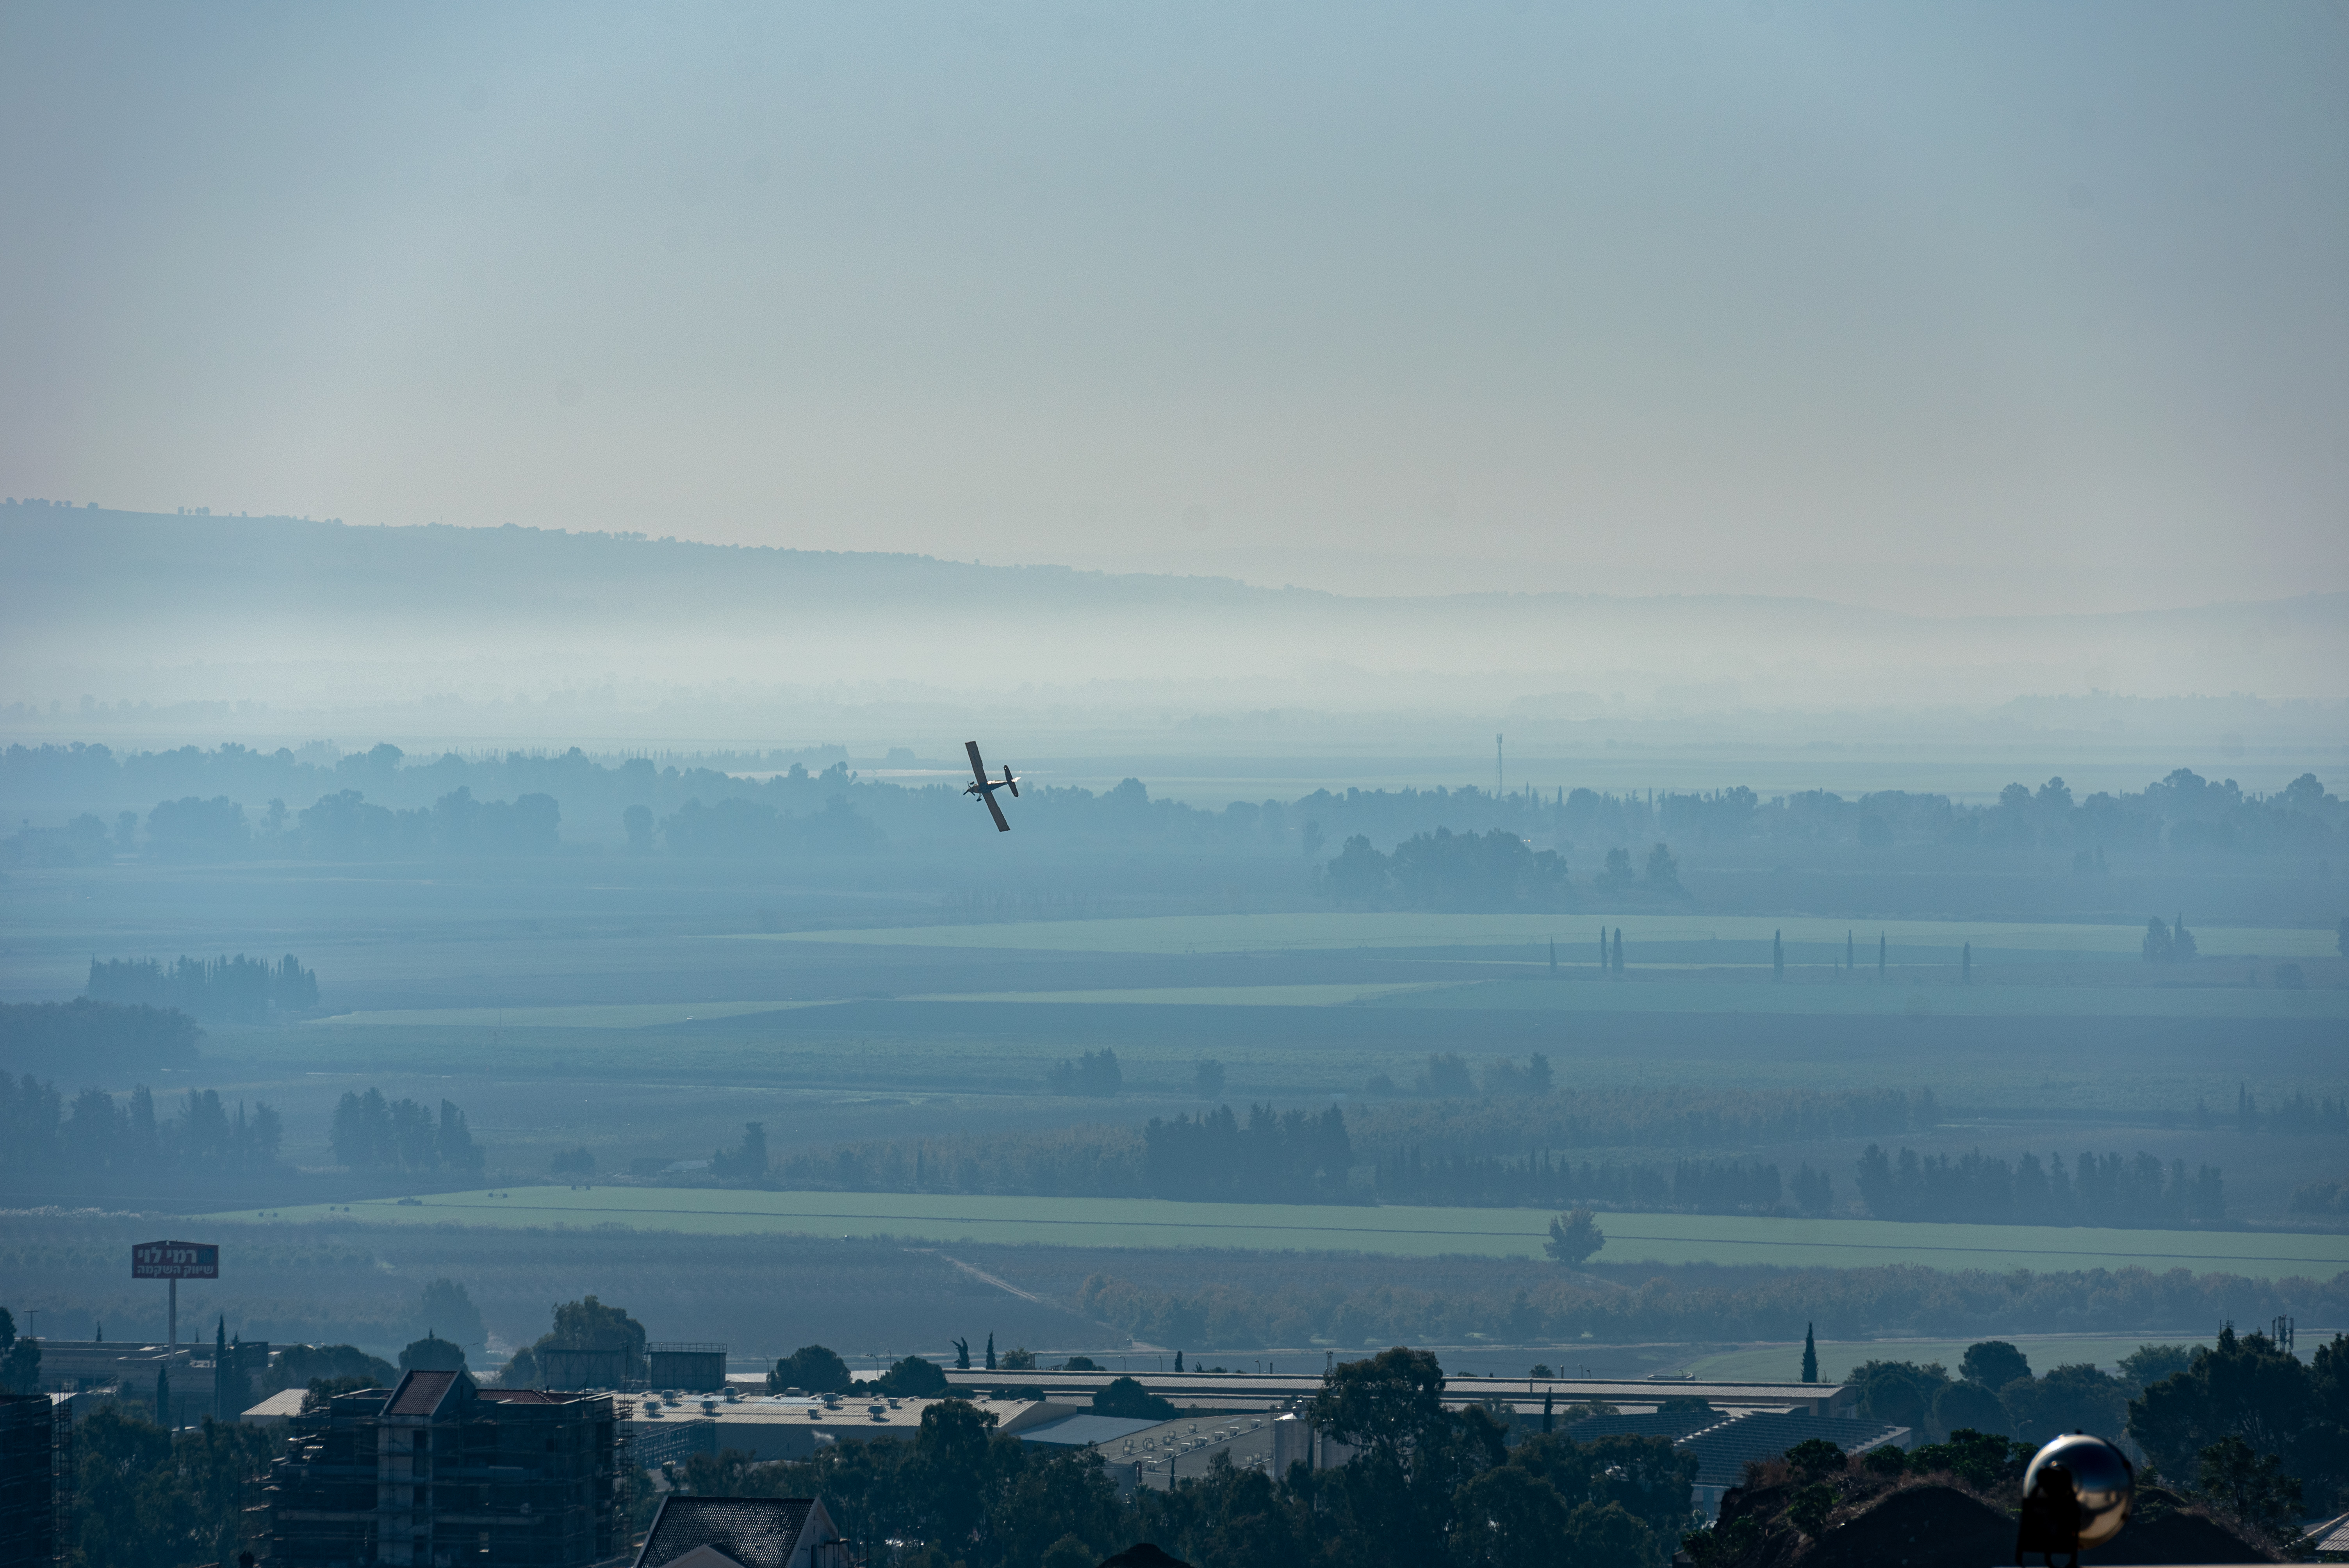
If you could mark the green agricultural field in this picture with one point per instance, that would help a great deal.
(646, 1014)
(1839, 1358)
(1291, 933)
(1415, 1231)
(588, 1015)
(1940, 1000)
(1643, 993)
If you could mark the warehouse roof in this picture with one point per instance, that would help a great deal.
(1082, 1431)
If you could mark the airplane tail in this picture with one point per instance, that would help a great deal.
(1013, 782)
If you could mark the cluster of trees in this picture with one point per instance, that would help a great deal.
(1994, 1392)
(1442, 869)
(1467, 848)
(2181, 812)
(372, 1133)
(341, 826)
(323, 1371)
(1846, 1303)
(1976, 1189)
(1513, 1114)
(2248, 1389)
(2168, 944)
(143, 1495)
(1427, 1484)
(1275, 1157)
(345, 826)
(747, 1160)
(583, 1325)
(94, 1135)
(98, 1038)
(239, 990)
(2299, 1113)
(1090, 1161)
(2181, 1407)
(812, 1369)
(1662, 875)
(1271, 1156)
(2320, 1197)
(1095, 1073)
(83, 840)
(1434, 1152)
(1542, 1180)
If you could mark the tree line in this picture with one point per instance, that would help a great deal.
(1515, 1108)
(1446, 850)
(1275, 1156)
(95, 1135)
(1430, 1153)
(1977, 1188)
(98, 1038)
(2299, 1113)
(1544, 1181)
(1427, 1155)
(1894, 1300)
(237, 990)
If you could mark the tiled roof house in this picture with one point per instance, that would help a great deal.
(743, 1533)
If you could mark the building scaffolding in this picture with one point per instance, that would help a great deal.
(440, 1473)
(35, 1480)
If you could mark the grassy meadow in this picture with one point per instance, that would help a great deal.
(1399, 1230)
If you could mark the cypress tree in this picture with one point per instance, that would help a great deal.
(1966, 966)
(991, 1352)
(1549, 1418)
(1777, 955)
(1618, 953)
(220, 1370)
(1810, 1356)
(1849, 960)
(163, 1396)
(1553, 954)
(1879, 955)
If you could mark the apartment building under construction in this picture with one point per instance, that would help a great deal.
(440, 1473)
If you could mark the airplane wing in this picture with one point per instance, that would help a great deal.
(977, 768)
(996, 811)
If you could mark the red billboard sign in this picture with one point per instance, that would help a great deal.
(175, 1260)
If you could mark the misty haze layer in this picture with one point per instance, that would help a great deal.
(1982, 310)
(330, 623)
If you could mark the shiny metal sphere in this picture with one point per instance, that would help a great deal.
(2099, 1476)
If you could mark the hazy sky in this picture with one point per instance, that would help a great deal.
(1947, 308)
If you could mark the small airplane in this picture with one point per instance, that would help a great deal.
(984, 788)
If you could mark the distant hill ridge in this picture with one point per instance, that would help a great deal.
(68, 547)
(118, 592)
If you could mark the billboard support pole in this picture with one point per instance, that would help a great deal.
(172, 1261)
